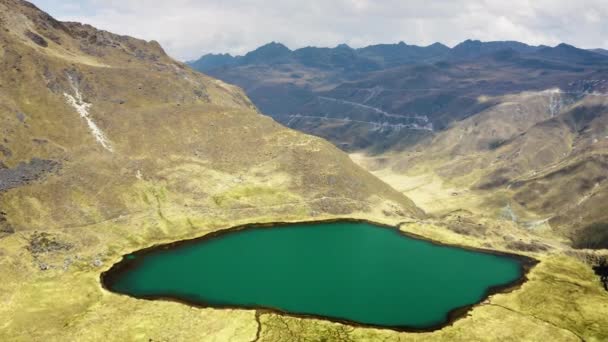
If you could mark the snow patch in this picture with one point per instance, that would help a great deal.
(82, 108)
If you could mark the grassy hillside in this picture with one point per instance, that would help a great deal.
(108, 145)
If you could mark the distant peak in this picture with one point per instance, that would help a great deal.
(272, 48)
(212, 61)
(274, 45)
(565, 46)
(343, 46)
(270, 52)
(469, 42)
(438, 45)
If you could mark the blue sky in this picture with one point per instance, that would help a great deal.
(190, 28)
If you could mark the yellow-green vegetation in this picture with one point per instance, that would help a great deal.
(561, 301)
(186, 155)
(252, 196)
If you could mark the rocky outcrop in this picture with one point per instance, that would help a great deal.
(5, 227)
(26, 173)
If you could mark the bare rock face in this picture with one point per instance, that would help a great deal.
(601, 269)
(5, 151)
(97, 42)
(36, 38)
(533, 246)
(5, 227)
(43, 243)
(26, 173)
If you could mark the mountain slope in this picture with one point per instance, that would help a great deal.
(537, 159)
(108, 146)
(88, 94)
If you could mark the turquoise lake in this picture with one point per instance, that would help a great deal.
(354, 272)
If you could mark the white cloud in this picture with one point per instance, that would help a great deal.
(189, 28)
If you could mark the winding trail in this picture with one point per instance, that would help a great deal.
(423, 118)
(376, 125)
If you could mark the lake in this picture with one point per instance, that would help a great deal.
(347, 271)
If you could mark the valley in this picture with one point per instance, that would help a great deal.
(109, 146)
(504, 127)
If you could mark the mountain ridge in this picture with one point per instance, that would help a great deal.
(466, 49)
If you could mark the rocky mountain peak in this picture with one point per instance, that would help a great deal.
(267, 53)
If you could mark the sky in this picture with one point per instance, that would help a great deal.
(188, 29)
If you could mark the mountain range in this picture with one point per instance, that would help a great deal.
(384, 56)
(384, 95)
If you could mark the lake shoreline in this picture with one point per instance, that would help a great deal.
(108, 278)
